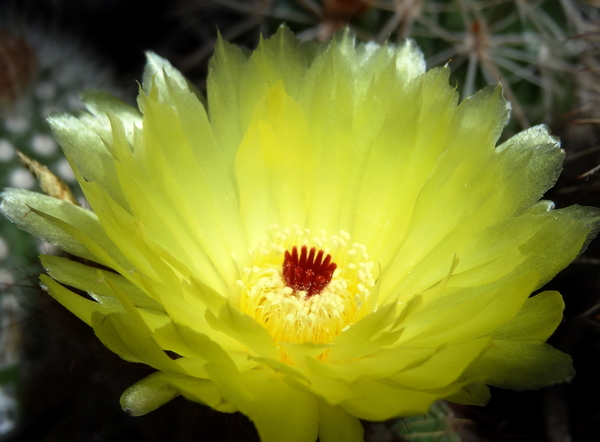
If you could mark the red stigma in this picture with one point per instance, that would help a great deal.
(307, 272)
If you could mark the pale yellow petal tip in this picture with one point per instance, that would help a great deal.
(531, 138)
(155, 66)
(147, 395)
(159, 79)
(410, 60)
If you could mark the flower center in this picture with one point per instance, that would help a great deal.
(307, 272)
(306, 288)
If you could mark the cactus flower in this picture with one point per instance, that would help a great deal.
(329, 236)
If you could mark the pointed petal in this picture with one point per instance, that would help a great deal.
(33, 212)
(92, 280)
(83, 308)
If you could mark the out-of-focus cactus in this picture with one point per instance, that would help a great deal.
(440, 424)
(39, 74)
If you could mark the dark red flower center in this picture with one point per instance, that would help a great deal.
(308, 272)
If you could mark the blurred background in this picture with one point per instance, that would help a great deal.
(58, 383)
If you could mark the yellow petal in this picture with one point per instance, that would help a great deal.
(468, 313)
(83, 308)
(335, 425)
(537, 319)
(384, 399)
(521, 365)
(243, 329)
(444, 367)
(367, 335)
(92, 279)
(382, 363)
(203, 391)
(278, 411)
(271, 166)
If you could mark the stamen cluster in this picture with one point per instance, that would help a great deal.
(306, 294)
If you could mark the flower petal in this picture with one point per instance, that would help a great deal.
(83, 308)
(132, 341)
(87, 152)
(92, 279)
(444, 367)
(382, 363)
(45, 217)
(279, 411)
(168, 167)
(158, 72)
(521, 365)
(271, 166)
(384, 399)
(367, 335)
(537, 319)
(202, 391)
(336, 425)
(468, 313)
(244, 329)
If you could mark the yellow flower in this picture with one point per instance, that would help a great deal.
(331, 238)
